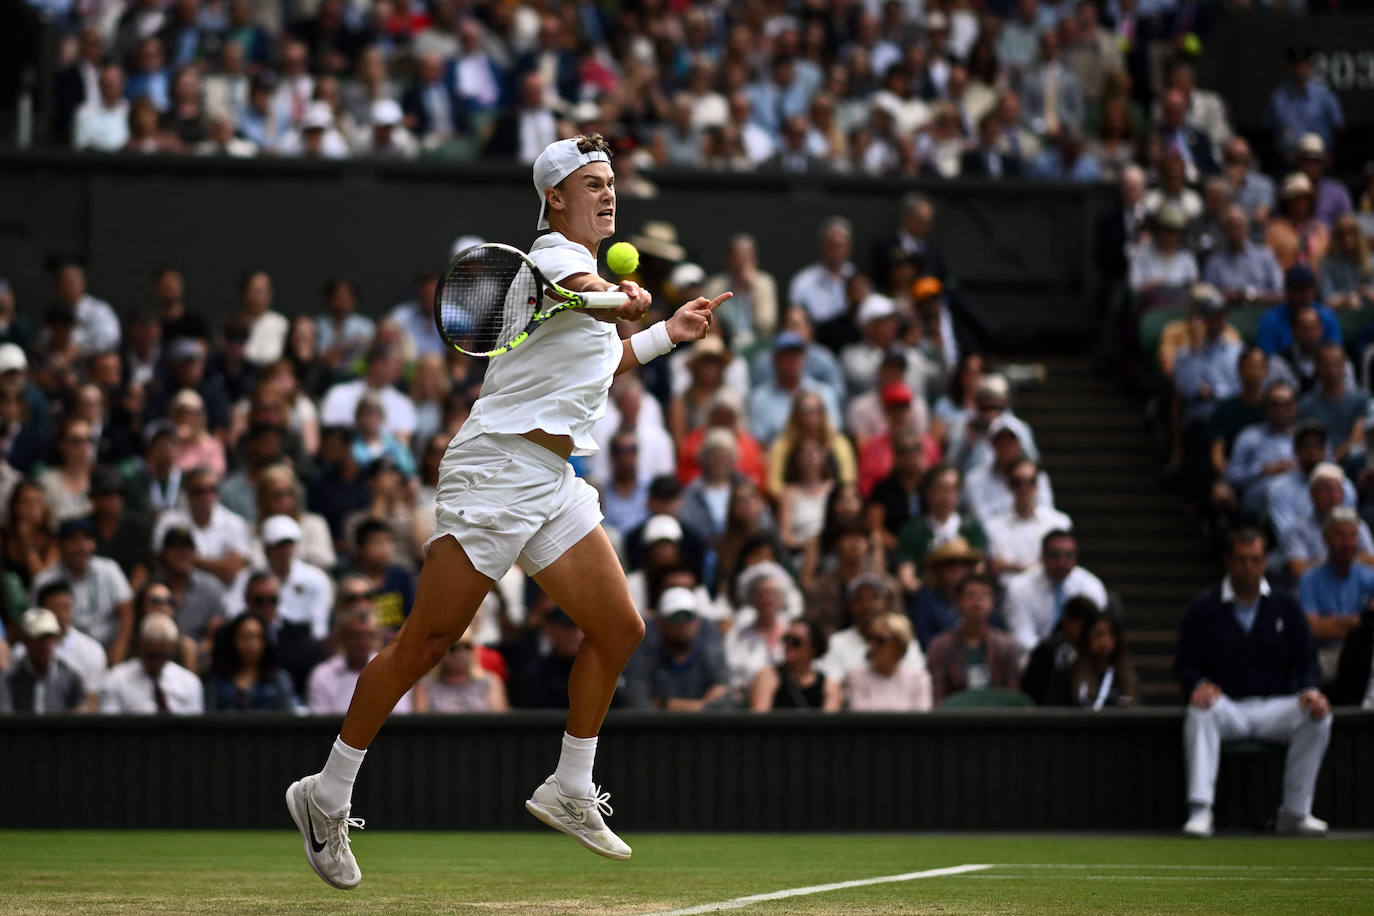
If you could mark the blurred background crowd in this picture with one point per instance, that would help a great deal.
(831, 502)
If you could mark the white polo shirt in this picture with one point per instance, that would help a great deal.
(307, 596)
(556, 380)
(1030, 603)
(225, 532)
(128, 690)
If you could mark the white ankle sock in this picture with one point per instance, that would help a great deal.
(574, 773)
(1196, 808)
(334, 789)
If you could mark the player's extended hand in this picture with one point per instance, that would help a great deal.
(1205, 694)
(693, 320)
(1315, 703)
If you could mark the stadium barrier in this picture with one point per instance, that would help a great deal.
(974, 770)
(1024, 250)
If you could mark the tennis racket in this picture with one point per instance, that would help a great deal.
(491, 298)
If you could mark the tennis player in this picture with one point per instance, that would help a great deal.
(507, 494)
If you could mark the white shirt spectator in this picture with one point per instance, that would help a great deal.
(820, 292)
(747, 653)
(82, 654)
(267, 338)
(757, 142)
(330, 689)
(128, 690)
(341, 404)
(225, 533)
(100, 128)
(315, 547)
(657, 454)
(1017, 540)
(94, 596)
(307, 595)
(97, 326)
(987, 495)
(1031, 608)
(849, 650)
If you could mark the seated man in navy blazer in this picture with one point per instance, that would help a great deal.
(1247, 661)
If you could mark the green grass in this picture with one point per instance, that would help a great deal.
(544, 873)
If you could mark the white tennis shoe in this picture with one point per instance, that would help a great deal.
(580, 818)
(1300, 826)
(326, 838)
(1200, 824)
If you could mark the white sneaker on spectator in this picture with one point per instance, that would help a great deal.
(1300, 826)
(326, 838)
(579, 818)
(1200, 824)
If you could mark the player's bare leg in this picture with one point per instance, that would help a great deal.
(447, 597)
(588, 583)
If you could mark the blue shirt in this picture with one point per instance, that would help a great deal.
(1312, 109)
(1255, 447)
(1253, 267)
(1304, 541)
(1290, 500)
(1049, 166)
(1338, 415)
(1215, 365)
(1275, 334)
(1325, 592)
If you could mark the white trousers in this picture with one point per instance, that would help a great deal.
(1277, 719)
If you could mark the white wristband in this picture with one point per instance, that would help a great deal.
(651, 343)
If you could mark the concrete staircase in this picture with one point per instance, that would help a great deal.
(1131, 528)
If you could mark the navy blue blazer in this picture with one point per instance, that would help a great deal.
(1278, 656)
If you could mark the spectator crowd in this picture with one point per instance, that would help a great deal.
(829, 502)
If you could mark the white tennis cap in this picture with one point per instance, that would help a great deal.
(559, 160)
(280, 528)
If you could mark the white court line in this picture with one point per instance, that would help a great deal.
(1181, 878)
(738, 902)
(1111, 865)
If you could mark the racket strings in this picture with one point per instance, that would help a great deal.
(486, 300)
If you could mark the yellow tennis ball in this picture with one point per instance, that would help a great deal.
(623, 258)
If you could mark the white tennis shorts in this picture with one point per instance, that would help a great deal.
(507, 500)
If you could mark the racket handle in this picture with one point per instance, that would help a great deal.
(608, 300)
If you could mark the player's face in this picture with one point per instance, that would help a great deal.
(589, 201)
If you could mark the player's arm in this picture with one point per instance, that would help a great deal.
(633, 310)
(690, 322)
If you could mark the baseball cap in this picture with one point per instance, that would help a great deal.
(1171, 216)
(463, 243)
(38, 622)
(317, 117)
(1001, 425)
(1299, 276)
(867, 580)
(559, 160)
(925, 287)
(1311, 146)
(788, 340)
(687, 274)
(1295, 185)
(662, 528)
(74, 526)
(875, 307)
(185, 349)
(1327, 471)
(1207, 300)
(385, 113)
(1311, 426)
(280, 528)
(678, 600)
(896, 394)
(12, 358)
(157, 428)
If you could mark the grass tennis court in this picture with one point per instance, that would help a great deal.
(544, 873)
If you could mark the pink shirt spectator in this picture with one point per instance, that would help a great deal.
(907, 690)
(331, 688)
(203, 451)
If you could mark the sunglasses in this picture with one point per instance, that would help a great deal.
(158, 600)
(681, 617)
(795, 642)
(203, 490)
(877, 640)
(357, 596)
(1023, 481)
(264, 600)
(1061, 554)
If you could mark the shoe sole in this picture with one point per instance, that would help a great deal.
(299, 816)
(552, 821)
